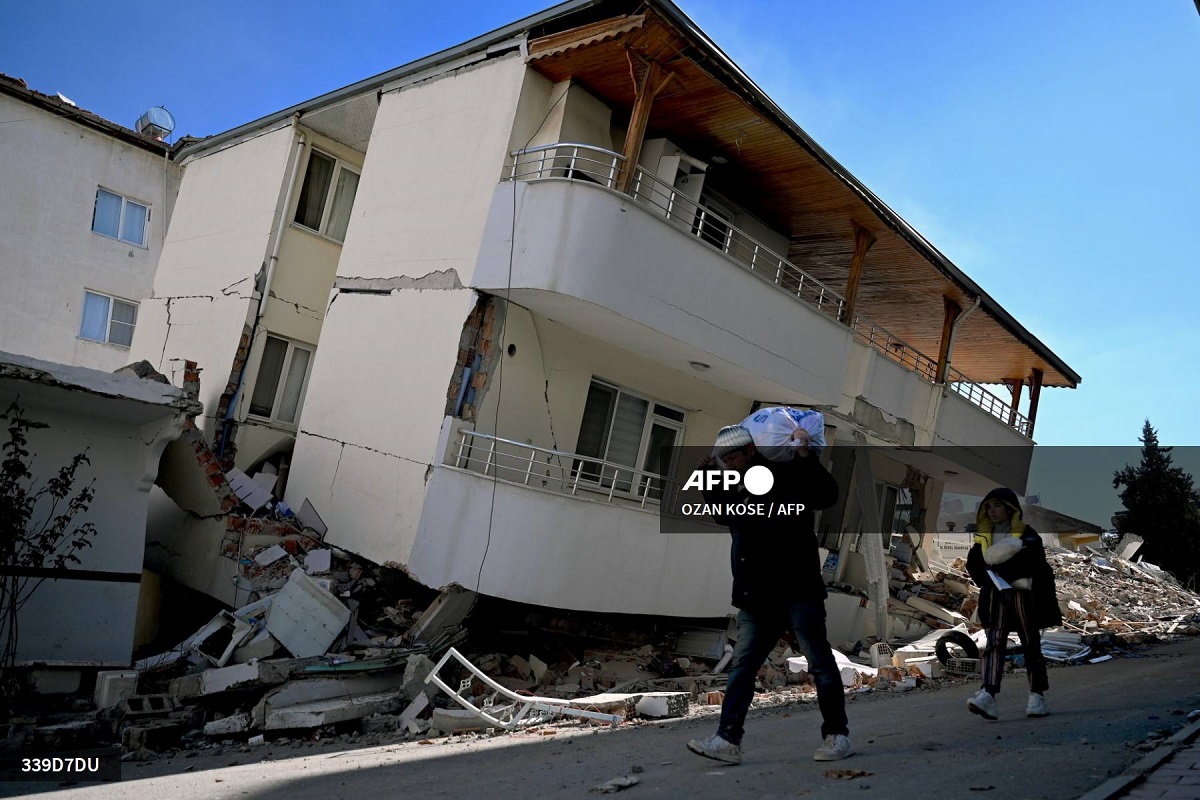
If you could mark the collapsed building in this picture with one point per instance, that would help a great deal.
(457, 310)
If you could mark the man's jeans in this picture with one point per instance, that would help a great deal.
(758, 633)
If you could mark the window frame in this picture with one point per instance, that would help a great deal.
(284, 372)
(330, 193)
(652, 418)
(108, 324)
(125, 201)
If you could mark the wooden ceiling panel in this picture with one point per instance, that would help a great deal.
(781, 181)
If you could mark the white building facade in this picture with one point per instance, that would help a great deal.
(466, 302)
(86, 205)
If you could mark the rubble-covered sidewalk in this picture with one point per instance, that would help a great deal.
(329, 646)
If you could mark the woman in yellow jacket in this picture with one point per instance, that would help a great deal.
(1016, 592)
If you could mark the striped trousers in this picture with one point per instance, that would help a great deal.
(1013, 612)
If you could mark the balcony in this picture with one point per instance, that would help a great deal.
(600, 168)
(560, 529)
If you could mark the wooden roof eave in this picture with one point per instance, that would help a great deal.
(710, 60)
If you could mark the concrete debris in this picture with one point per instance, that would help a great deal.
(615, 785)
(318, 561)
(235, 723)
(1106, 600)
(113, 686)
(319, 713)
(331, 640)
(304, 617)
(270, 555)
(1104, 593)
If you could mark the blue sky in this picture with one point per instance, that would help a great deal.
(1049, 149)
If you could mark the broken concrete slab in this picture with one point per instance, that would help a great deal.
(416, 669)
(309, 691)
(851, 672)
(235, 723)
(414, 708)
(663, 705)
(456, 720)
(270, 555)
(318, 713)
(234, 678)
(305, 618)
(447, 610)
(318, 561)
(650, 705)
(259, 647)
(239, 676)
(934, 610)
(538, 667)
(521, 667)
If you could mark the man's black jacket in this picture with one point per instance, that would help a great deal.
(775, 559)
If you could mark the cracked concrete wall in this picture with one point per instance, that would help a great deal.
(50, 168)
(376, 399)
(887, 398)
(307, 263)
(372, 414)
(436, 151)
(545, 384)
(218, 241)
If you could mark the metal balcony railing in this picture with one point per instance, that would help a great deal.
(964, 386)
(559, 471)
(590, 164)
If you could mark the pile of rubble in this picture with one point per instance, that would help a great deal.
(1131, 600)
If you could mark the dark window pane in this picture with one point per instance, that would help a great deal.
(269, 370)
(314, 191)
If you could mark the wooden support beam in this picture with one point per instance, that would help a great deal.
(1016, 387)
(863, 239)
(649, 79)
(1035, 394)
(953, 310)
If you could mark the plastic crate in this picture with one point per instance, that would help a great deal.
(881, 655)
(963, 666)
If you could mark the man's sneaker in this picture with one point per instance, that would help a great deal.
(1037, 706)
(984, 705)
(835, 748)
(716, 748)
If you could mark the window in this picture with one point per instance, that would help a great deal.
(107, 319)
(622, 428)
(120, 218)
(282, 375)
(326, 196)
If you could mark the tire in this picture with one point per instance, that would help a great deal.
(959, 640)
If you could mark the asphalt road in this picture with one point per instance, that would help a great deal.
(919, 744)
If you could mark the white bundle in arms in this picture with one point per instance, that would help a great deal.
(773, 428)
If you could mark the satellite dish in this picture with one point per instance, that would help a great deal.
(156, 122)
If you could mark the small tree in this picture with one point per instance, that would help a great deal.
(37, 529)
(1162, 508)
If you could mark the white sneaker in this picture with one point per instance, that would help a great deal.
(835, 748)
(984, 705)
(1037, 706)
(716, 748)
